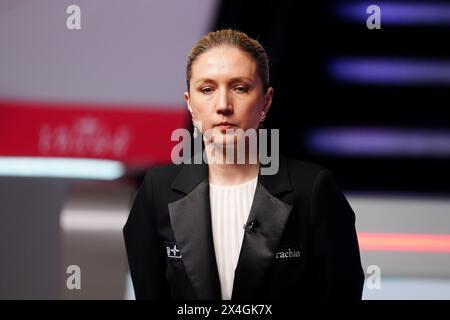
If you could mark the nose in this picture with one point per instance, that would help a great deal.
(224, 104)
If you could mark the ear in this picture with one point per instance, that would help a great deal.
(267, 100)
(187, 100)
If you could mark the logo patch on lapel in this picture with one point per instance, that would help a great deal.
(173, 252)
(288, 252)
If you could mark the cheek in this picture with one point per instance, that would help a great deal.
(199, 107)
(252, 113)
(203, 113)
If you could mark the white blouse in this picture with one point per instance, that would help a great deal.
(230, 207)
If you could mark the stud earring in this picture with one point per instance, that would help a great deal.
(196, 132)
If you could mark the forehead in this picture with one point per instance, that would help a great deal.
(224, 61)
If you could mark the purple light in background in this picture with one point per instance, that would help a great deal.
(397, 13)
(395, 71)
(382, 142)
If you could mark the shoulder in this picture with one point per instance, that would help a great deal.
(308, 171)
(162, 174)
(309, 176)
(301, 166)
(318, 184)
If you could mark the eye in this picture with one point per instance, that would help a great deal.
(206, 90)
(241, 89)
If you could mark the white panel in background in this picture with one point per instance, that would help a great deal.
(127, 52)
(403, 213)
(410, 289)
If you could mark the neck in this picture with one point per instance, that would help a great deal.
(232, 174)
(228, 173)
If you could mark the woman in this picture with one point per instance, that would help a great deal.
(221, 230)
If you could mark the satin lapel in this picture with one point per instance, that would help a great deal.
(259, 245)
(191, 223)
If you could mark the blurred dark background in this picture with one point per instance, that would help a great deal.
(305, 38)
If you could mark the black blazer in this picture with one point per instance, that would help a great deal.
(302, 242)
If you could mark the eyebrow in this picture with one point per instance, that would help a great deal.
(232, 80)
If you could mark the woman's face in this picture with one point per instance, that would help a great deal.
(226, 91)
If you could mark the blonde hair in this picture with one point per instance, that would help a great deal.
(232, 38)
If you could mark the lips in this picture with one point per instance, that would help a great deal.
(224, 126)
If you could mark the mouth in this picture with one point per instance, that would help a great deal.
(223, 126)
